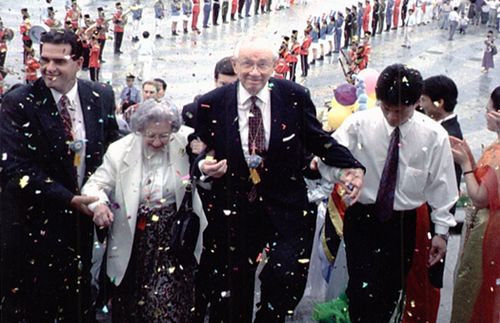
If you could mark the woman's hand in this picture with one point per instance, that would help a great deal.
(493, 119)
(461, 153)
(103, 217)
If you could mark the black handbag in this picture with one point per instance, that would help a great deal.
(185, 230)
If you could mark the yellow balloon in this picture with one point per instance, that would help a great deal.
(372, 101)
(337, 115)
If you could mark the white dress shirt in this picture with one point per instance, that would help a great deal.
(425, 169)
(244, 105)
(78, 125)
(157, 182)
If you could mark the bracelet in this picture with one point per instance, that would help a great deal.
(468, 172)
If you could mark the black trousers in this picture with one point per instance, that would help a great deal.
(293, 70)
(304, 65)
(215, 13)
(257, 5)
(226, 276)
(102, 42)
(378, 260)
(3, 55)
(86, 57)
(94, 74)
(347, 37)
(241, 4)
(118, 41)
(225, 9)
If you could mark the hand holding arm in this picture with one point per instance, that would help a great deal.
(80, 202)
(352, 181)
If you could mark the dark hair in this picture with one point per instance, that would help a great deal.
(495, 98)
(62, 37)
(224, 66)
(145, 34)
(162, 83)
(441, 87)
(399, 85)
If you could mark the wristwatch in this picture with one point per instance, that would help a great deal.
(443, 236)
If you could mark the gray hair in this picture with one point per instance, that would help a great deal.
(151, 111)
(254, 41)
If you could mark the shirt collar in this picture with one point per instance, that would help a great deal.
(403, 128)
(244, 96)
(72, 93)
(449, 117)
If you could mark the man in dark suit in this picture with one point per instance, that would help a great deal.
(259, 129)
(53, 134)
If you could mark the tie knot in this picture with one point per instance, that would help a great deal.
(395, 134)
(64, 101)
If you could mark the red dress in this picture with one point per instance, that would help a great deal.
(94, 61)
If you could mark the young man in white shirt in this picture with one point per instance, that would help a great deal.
(408, 162)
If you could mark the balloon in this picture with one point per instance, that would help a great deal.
(371, 102)
(369, 76)
(338, 113)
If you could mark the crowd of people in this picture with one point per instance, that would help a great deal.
(91, 186)
(324, 35)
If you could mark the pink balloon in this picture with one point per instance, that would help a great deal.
(370, 76)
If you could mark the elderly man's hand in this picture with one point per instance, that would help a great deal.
(352, 181)
(213, 168)
(80, 202)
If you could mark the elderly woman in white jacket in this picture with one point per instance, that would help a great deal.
(140, 187)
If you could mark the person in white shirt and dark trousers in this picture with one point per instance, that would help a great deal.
(408, 162)
(454, 18)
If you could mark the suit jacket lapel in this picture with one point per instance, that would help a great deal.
(277, 106)
(52, 126)
(130, 179)
(233, 140)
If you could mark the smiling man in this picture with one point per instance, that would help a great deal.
(53, 134)
(260, 129)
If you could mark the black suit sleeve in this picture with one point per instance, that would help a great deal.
(20, 173)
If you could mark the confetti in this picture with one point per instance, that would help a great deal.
(24, 181)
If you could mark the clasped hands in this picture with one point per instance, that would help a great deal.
(102, 215)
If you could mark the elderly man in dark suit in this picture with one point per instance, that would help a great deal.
(257, 132)
(53, 134)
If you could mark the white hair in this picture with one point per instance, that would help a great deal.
(255, 42)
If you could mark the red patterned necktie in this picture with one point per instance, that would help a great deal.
(65, 116)
(256, 137)
(384, 204)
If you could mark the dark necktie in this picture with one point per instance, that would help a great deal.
(129, 94)
(384, 204)
(65, 116)
(256, 137)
